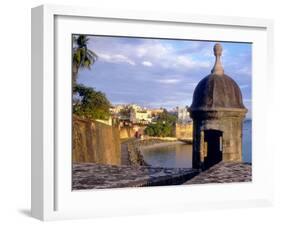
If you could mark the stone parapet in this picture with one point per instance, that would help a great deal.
(98, 176)
(224, 172)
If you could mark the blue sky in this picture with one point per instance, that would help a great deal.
(159, 72)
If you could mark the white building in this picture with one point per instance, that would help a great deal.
(117, 108)
(140, 116)
(183, 115)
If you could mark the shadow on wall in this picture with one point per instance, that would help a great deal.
(95, 142)
(213, 142)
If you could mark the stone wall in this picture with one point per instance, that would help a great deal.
(135, 156)
(126, 132)
(129, 131)
(95, 142)
(229, 122)
(184, 131)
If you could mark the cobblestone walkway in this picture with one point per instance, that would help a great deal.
(224, 172)
(95, 176)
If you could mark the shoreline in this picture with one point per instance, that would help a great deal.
(134, 148)
(162, 144)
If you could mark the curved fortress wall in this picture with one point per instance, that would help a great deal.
(95, 142)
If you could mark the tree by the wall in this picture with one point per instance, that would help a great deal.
(90, 104)
(163, 127)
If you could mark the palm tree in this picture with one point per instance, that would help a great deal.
(82, 56)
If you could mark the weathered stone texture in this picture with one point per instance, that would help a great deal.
(126, 132)
(229, 123)
(218, 112)
(95, 142)
(96, 176)
(184, 131)
(224, 172)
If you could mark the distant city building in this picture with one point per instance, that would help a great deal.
(134, 114)
(156, 112)
(117, 108)
(140, 116)
(135, 107)
(183, 115)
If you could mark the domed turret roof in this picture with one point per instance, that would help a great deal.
(217, 90)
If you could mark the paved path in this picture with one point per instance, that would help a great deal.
(95, 176)
(224, 172)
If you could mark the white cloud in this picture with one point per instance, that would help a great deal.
(152, 49)
(116, 58)
(147, 63)
(166, 56)
(188, 62)
(158, 53)
(169, 81)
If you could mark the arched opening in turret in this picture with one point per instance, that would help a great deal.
(213, 147)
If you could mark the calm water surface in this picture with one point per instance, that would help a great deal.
(180, 155)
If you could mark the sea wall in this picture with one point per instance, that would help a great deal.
(95, 142)
(184, 131)
(134, 152)
(126, 132)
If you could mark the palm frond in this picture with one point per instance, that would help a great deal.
(92, 54)
(82, 56)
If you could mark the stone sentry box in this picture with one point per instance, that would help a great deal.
(218, 112)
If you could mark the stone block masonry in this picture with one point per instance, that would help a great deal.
(184, 131)
(97, 176)
(224, 172)
(95, 142)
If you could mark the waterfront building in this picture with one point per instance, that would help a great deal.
(156, 111)
(117, 108)
(135, 107)
(140, 116)
(218, 112)
(183, 115)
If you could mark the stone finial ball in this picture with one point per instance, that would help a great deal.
(217, 49)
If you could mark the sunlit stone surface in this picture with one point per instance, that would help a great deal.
(94, 176)
(224, 172)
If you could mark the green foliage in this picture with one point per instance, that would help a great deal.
(87, 102)
(159, 130)
(90, 104)
(163, 127)
(167, 118)
(82, 56)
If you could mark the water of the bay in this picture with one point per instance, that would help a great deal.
(180, 155)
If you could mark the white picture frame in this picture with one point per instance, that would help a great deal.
(52, 197)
